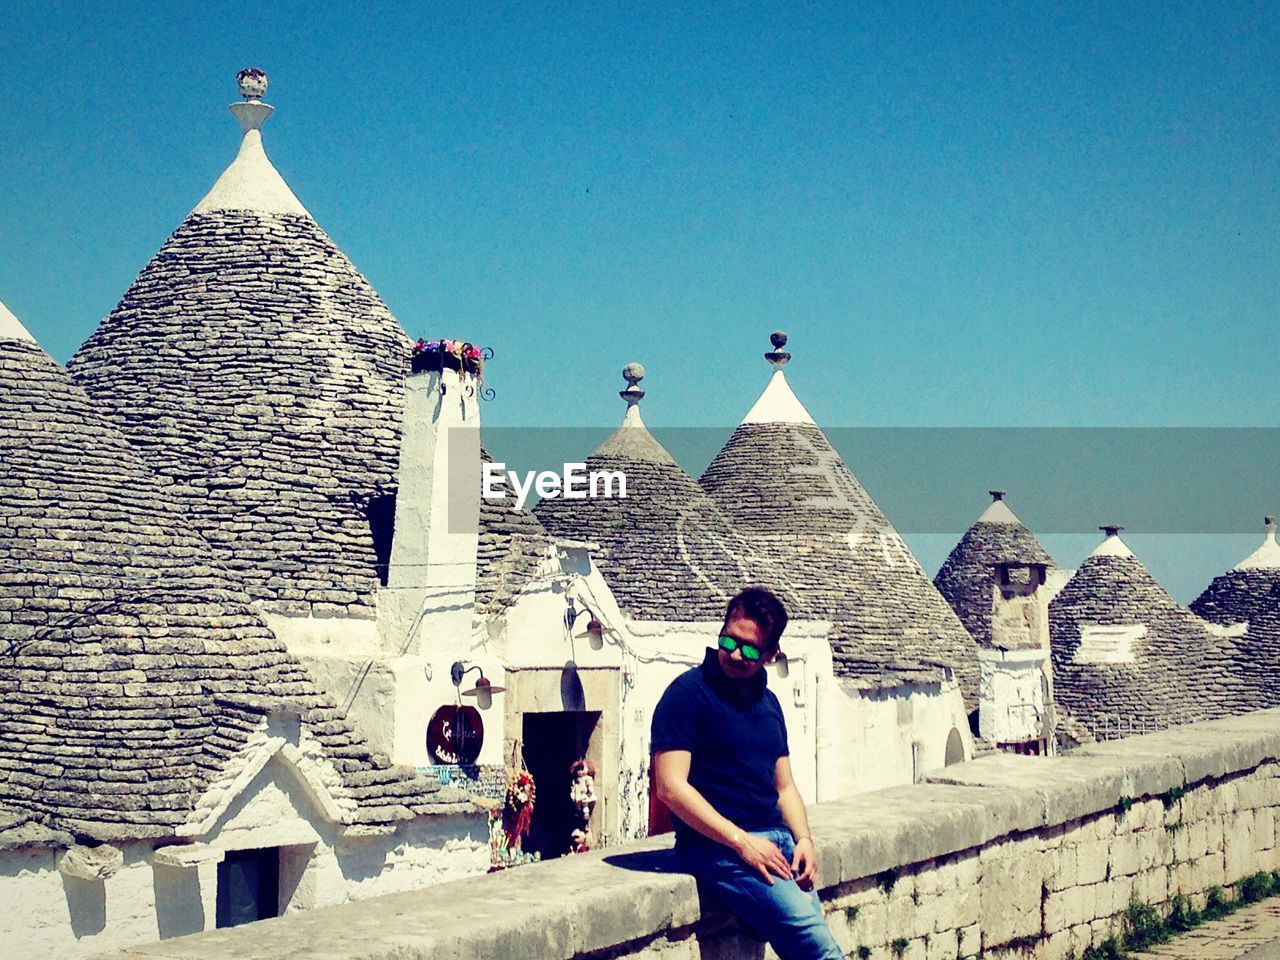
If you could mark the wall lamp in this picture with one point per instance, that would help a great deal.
(484, 689)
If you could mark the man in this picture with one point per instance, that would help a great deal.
(722, 767)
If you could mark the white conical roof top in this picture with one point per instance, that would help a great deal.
(998, 511)
(11, 327)
(251, 182)
(1112, 545)
(778, 404)
(1267, 556)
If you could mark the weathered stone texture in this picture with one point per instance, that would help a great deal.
(666, 551)
(258, 373)
(128, 652)
(814, 529)
(511, 549)
(1180, 673)
(1250, 597)
(984, 864)
(967, 577)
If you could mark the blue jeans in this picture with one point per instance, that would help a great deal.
(789, 918)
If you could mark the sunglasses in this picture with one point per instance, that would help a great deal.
(749, 650)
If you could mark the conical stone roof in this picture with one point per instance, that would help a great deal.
(512, 547)
(786, 490)
(1248, 598)
(260, 375)
(666, 551)
(1176, 669)
(967, 577)
(133, 671)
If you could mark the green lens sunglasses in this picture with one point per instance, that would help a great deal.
(749, 650)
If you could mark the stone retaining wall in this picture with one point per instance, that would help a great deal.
(1002, 857)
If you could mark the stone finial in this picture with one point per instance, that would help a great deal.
(777, 356)
(633, 373)
(252, 82)
(252, 112)
(996, 495)
(1111, 529)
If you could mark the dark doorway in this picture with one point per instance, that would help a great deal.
(248, 886)
(955, 748)
(552, 741)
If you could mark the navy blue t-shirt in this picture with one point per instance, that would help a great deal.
(735, 734)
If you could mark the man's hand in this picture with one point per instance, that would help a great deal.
(804, 864)
(763, 855)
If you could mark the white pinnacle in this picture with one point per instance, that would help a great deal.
(1112, 546)
(778, 404)
(11, 327)
(1267, 556)
(998, 512)
(251, 182)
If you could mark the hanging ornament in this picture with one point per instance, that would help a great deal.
(582, 793)
(517, 812)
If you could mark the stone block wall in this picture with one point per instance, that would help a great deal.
(1003, 857)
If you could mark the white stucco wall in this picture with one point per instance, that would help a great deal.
(1011, 694)
(890, 737)
(47, 914)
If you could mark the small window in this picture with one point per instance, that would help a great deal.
(248, 886)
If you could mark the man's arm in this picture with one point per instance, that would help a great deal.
(791, 805)
(671, 780)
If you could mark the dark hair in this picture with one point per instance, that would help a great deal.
(762, 607)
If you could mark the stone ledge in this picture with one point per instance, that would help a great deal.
(627, 897)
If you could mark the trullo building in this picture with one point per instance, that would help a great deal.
(166, 766)
(1128, 658)
(1246, 601)
(897, 647)
(999, 580)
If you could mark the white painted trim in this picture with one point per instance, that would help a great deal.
(245, 766)
(184, 856)
(998, 512)
(778, 404)
(1112, 546)
(251, 183)
(11, 327)
(1108, 642)
(1266, 557)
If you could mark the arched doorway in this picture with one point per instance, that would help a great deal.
(955, 748)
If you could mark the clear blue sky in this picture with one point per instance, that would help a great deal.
(1021, 214)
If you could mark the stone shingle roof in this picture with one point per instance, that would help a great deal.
(1180, 672)
(130, 661)
(967, 577)
(261, 376)
(665, 550)
(787, 491)
(513, 545)
(1248, 598)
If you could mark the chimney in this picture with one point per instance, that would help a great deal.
(1015, 709)
(431, 580)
